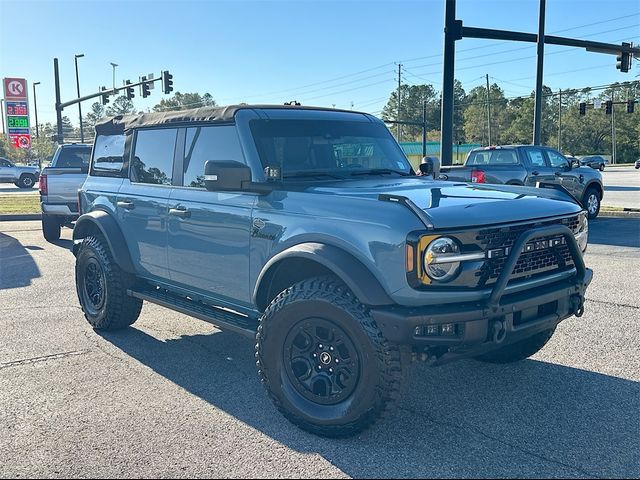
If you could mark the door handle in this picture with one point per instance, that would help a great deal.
(535, 172)
(126, 204)
(181, 212)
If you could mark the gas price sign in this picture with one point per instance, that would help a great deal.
(17, 112)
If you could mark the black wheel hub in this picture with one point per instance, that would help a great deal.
(321, 361)
(94, 285)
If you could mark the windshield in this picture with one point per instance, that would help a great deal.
(332, 149)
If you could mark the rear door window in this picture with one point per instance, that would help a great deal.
(535, 157)
(152, 160)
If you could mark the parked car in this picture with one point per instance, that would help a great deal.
(530, 165)
(23, 177)
(638, 164)
(307, 230)
(59, 184)
(594, 161)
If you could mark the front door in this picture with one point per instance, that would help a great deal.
(563, 172)
(143, 200)
(209, 232)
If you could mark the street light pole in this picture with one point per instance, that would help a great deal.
(79, 107)
(35, 107)
(114, 65)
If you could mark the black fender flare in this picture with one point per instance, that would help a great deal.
(111, 232)
(345, 266)
(592, 184)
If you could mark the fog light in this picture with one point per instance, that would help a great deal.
(432, 330)
(449, 329)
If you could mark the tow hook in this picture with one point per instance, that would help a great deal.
(577, 302)
(499, 331)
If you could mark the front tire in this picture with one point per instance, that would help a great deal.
(602, 167)
(102, 287)
(26, 181)
(323, 361)
(518, 351)
(50, 228)
(591, 202)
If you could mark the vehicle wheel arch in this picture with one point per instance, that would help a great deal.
(596, 185)
(311, 259)
(103, 223)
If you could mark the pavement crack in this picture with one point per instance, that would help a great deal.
(43, 358)
(604, 302)
(501, 441)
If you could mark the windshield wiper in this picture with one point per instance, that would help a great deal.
(379, 171)
(312, 173)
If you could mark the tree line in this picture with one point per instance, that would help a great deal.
(511, 119)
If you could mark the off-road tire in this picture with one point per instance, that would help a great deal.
(518, 351)
(380, 376)
(50, 227)
(591, 191)
(26, 181)
(118, 310)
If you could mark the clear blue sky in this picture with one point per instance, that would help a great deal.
(311, 51)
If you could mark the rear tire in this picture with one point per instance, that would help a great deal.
(323, 361)
(591, 202)
(518, 351)
(26, 181)
(50, 228)
(102, 287)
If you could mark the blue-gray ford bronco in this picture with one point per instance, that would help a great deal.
(308, 230)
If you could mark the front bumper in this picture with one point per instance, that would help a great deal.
(476, 327)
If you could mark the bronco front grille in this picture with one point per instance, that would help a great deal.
(531, 263)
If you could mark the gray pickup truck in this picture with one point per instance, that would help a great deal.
(307, 230)
(533, 166)
(59, 184)
(23, 177)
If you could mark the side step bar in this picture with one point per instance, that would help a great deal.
(223, 318)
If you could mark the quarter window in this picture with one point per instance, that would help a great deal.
(108, 155)
(208, 143)
(152, 160)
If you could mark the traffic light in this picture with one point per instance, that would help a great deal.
(145, 88)
(105, 96)
(583, 108)
(608, 107)
(167, 82)
(623, 61)
(630, 105)
(129, 89)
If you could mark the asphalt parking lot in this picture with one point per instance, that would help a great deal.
(621, 187)
(174, 397)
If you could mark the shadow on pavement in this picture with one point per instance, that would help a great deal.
(531, 419)
(621, 189)
(623, 232)
(17, 267)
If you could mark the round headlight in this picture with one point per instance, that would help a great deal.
(582, 235)
(436, 259)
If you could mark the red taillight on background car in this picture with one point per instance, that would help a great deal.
(43, 184)
(478, 176)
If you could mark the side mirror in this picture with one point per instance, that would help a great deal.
(226, 175)
(430, 166)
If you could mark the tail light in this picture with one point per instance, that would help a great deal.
(43, 184)
(478, 176)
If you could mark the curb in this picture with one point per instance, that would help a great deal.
(20, 217)
(626, 213)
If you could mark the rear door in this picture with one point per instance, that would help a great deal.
(143, 198)
(209, 232)
(538, 169)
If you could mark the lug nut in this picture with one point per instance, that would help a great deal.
(331, 370)
(331, 348)
(315, 355)
(320, 346)
(337, 360)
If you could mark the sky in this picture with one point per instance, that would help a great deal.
(325, 53)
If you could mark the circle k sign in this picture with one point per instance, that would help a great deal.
(15, 88)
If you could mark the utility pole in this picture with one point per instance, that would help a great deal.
(613, 130)
(560, 121)
(537, 113)
(452, 32)
(488, 111)
(398, 131)
(424, 128)
(79, 107)
(35, 107)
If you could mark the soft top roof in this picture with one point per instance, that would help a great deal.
(120, 123)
